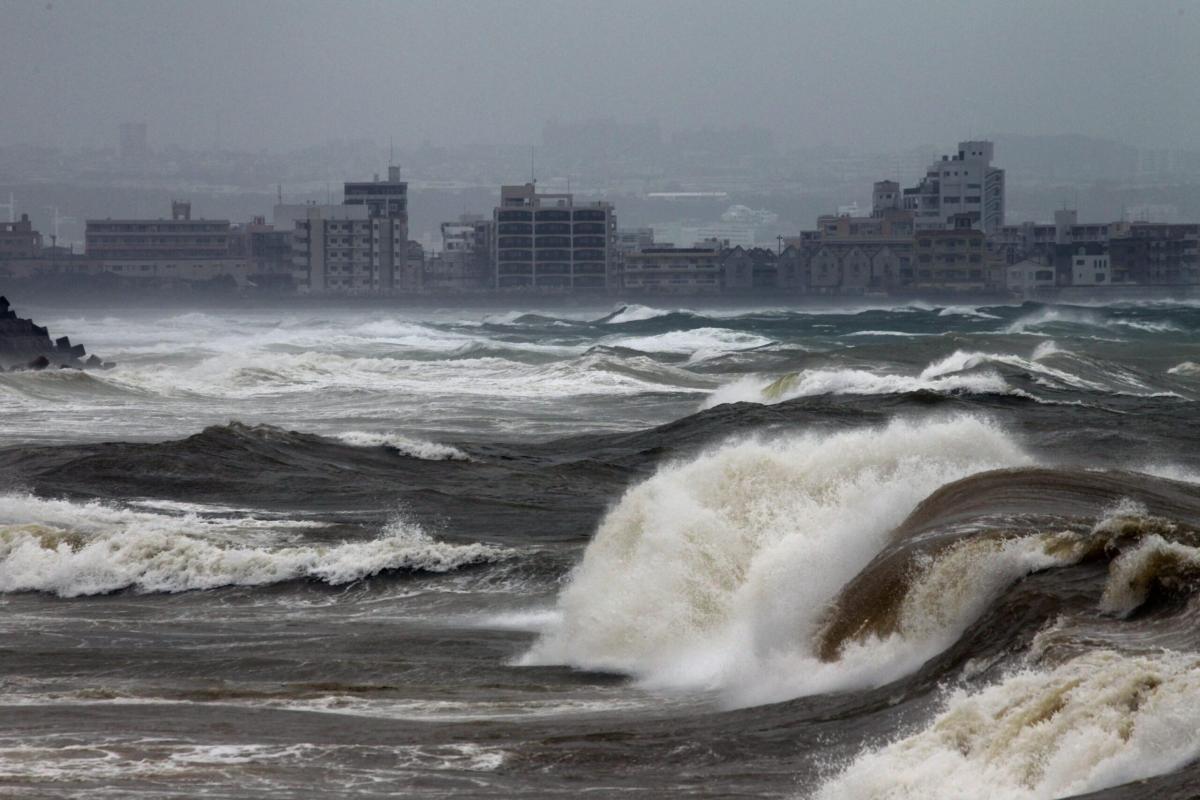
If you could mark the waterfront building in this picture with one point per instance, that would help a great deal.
(1155, 254)
(965, 183)
(163, 250)
(268, 251)
(175, 239)
(550, 242)
(630, 240)
(359, 247)
(1028, 276)
(465, 263)
(956, 260)
(1090, 265)
(851, 255)
(19, 240)
(674, 270)
(748, 269)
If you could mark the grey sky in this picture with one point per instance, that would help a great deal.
(874, 74)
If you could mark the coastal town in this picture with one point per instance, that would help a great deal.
(947, 233)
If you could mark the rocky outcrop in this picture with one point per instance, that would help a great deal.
(24, 345)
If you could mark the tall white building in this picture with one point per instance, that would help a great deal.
(965, 183)
(359, 247)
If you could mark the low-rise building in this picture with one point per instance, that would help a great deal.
(1155, 254)
(465, 263)
(1026, 277)
(956, 260)
(19, 240)
(674, 270)
(748, 269)
(179, 238)
(1090, 266)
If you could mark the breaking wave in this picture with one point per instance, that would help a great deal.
(851, 381)
(72, 549)
(634, 313)
(1099, 720)
(413, 448)
(714, 574)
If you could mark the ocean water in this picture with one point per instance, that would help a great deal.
(910, 551)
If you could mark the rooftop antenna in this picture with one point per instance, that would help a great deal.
(532, 173)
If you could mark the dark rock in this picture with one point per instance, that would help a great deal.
(93, 362)
(39, 363)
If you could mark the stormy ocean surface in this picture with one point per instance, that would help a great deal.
(920, 551)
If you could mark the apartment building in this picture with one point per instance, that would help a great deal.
(955, 260)
(18, 239)
(177, 249)
(176, 239)
(550, 242)
(674, 270)
(964, 183)
(358, 247)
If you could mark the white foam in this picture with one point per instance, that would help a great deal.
(414, 448)
(82, 549)
(714, 574)
(965, 311)
(66, 759)
(636, 313)
(699, 343)
(1100, 720)
(1188, 369)
(815, 382)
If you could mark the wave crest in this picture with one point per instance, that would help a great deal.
(72, 549)
(714, 573)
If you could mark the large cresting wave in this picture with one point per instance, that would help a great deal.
(716, 573)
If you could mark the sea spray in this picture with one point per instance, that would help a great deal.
(715, 573)
(1099, 720)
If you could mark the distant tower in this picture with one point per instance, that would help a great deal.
(181, 210)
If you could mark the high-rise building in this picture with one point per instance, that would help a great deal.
(359, 247)
(547, 241)
(964, 183)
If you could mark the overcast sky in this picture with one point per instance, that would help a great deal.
(880, 75)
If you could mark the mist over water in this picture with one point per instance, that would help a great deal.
(872, 552)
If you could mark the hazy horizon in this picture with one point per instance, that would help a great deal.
(280, 76)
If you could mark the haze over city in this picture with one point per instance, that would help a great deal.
(876, 75)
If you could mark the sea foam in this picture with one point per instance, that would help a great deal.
(715, 573)
(1099, 720)
(71, 549)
